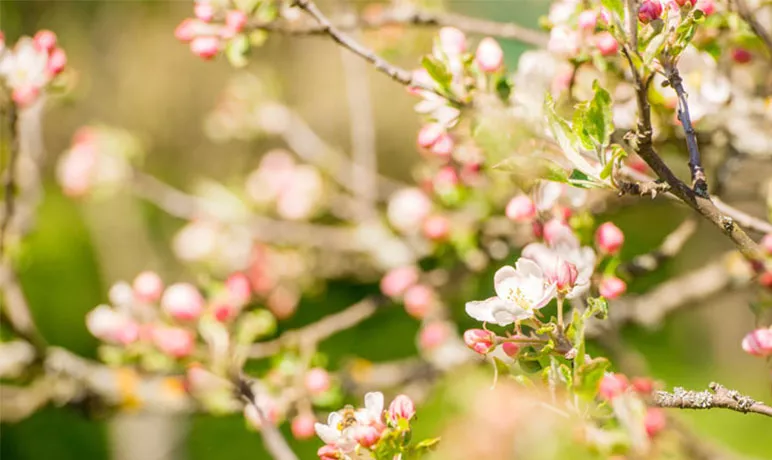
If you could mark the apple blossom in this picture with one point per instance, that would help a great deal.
(238, 288)
(407, 209)
(452, 41)
(519, 291)
(174, 341)
(609, 238)
(268, 411)
(328, 452)
(429, 134)
(649, 11)
(397, 280)
(45, 40)
(235, 20)
(520, 208)
(303, 426)
(57, 61)
(433, 335)
(612, 287)
(758, 342)
(317, 380)
(510, 349)
(479, 340)
(182, 301)
(148, 287)
(642, 385)
(563, 42)
(489, 56)
(563, 274)
(684, 2)
(402, 407)
(205, 47)
(741, 55)
(436, 227)
(612, 385)
(765, 279)
(654, 421)
(766, 243)
(204, 10)
(556, 257)
(112, 326)
(366, 435)
(706, 6)
(186, 30)
(606, 44)
(587, 20)
(24, 69)
(121, 295)
(443, 146)
(419, 299)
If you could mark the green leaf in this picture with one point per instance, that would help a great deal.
(588, 377)
(617, 153)
(427, 444)
(582, 180)
(437, 71)
(566, 138)
(615, 7)
(580, 114)
(501, 367)
(598, 121)
(503, 87)
(530, 366)
(596, 306)
(528, 168)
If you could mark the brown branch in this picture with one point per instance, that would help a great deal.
(747, 15)
(9, 183)
(642, 143)
(670, 247)
(699, 180)
(273, 441)
(16, 308)
(397, 74)
(718, 397)
(419, 18)
(320, 330)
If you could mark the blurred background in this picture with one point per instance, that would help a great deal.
(132, 73)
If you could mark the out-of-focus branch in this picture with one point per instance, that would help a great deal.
(670, 247)
(273, 440)
(699, 180)
(16, 307)
(718, 397)
(9, 181)
(411, 17)
(742, 9)
(397, 74)
(641, 141)
(320, 330)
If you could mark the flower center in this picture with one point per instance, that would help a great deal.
(517, 297)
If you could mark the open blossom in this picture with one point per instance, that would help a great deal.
(758, 342)
(344, 438)
(24, 69)
(554, 259)
(519, 291)
(563, 42)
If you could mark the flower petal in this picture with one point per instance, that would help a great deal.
(501, 278)
(549, 293)
(482, 310)
(326, 433)
(504, 316)
(374, 404)
(527, 267)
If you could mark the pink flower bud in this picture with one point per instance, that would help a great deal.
(317, 380)
(489, 55)
(112, 326)
(402, 407)
(684, 2)
(174, 341)
(429, 134)
(57, 60)
(741, 56)
(182, 301)
(443, 146)
(204, 11)
(642, 385)
(654, 421)
(205, 47)
(433, 335)
(553, 229)
(44, 40)
(422, 77)
(510, 349)
(612, 287)
(609, 238)
(407, 209)
(649, 11)
(588, 20)
(303, 426)
(706, 6)
(563, 274)
(224, 312)
(148, 287)
(419, 299)
(186, 30)
(604, 16)
(758, 342)
(479, 340)
(606, 44)
(612, 385)
(765, 279)
(25, 95)
(436, 228)
(235, 20)
(398, 280)
(452, 41)
(366, 435)
(520, 209)
(238, 288)
(328, 452)
(766, 243)
(445, 178)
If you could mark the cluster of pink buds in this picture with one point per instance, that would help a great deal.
(31, 65)
(358, 431)
(211, 25)
(403, 283)
(615, 387)
(149, 315)
(649, 11)
(569, 39)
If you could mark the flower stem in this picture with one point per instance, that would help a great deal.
(560, 314)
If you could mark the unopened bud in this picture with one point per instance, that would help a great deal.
(479, 340)
(612, 287)
(436, 227)
(182, 301)
(418, 300)
(520, 209)
(317, 380)
(654, 421)
(44, 40)
(303, 426)
(612, 385)
(147, 287)
(402, 407)
(758, 342)
(587, 20)
(489, 55)
(606, 44)
(452, 41)
(609, 238)
(205, 47)
(649, 11)
(510, 349)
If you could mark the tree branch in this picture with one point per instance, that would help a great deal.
(747, 16)
(670, 247)
(718, 397)
(419, 18)
(273, 440)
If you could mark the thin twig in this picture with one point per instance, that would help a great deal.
(718, 397)
(746, 14)
(468, 24)
(670, 247)
(699, 180)
(9, 183)
(397, 74)
(273, 441)
(320, 330)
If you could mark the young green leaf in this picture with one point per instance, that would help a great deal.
(569, 142)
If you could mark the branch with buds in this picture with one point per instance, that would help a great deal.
(718, 397)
